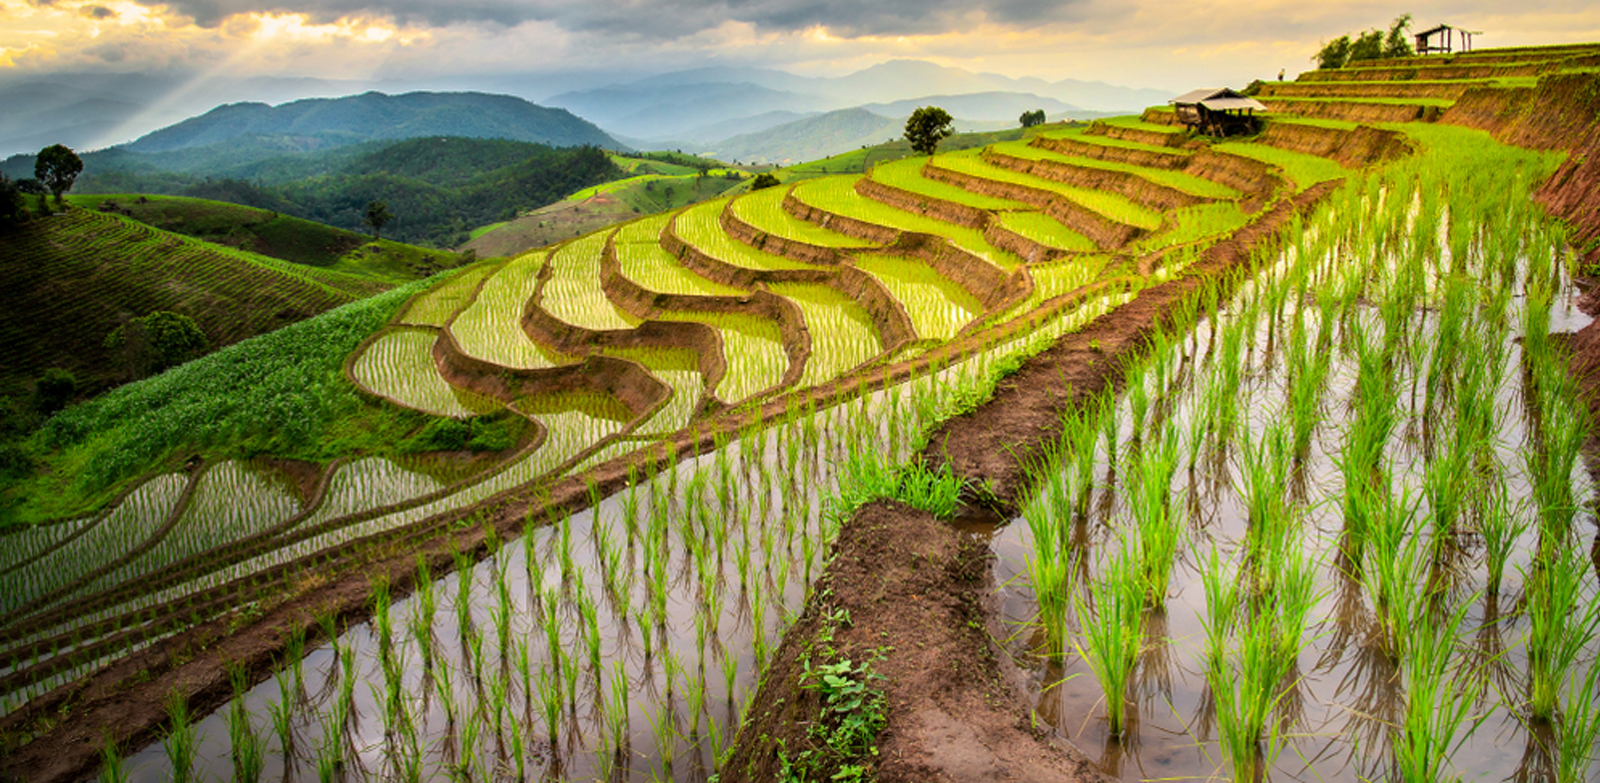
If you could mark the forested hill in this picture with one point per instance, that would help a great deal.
(331, 122)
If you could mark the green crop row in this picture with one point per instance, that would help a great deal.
(399, 366)
(752, 348)
(572, 293)
(938, 306)
(1177, 180)
(698, 226)
(1304, 169)
(643, 260)
(1109, 205)
(842, 334)
(764, 210)
(490, 328)
(838, 196)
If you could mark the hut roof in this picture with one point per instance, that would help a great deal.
(1219, 99)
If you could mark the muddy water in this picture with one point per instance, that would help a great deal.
(1336, 716)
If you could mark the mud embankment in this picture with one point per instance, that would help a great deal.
(1123, 183)
(1353, 147)
(1101, 230)
(1160, 115)
(1154, 159)
(1401, 73)
(921, 204)
(792, 249)
(1447, 90)
(1154, 138)
(1561, 113)
(1355, 110)
(915, 592)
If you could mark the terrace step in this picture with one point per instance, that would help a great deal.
(1127, 184)
(1102, 230)
(1448, 90)
(1355, 146)
(1355, 110)
(1426, 71)
(986, 221)
(1509, 54)
(1087, 146)
(1153, 135)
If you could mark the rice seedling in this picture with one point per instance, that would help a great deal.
(178, 738)
(111, 769)
(247, 748)
(1156, 516)
(1501, 526)
(1561, 624)
(1579, 726)
(1439, 697)
(1109, 637)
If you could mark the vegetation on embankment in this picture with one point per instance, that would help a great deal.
(282, 393)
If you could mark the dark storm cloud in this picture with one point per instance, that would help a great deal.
(97, 12)
(667, 19)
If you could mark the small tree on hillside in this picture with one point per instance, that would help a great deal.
(927, 127)
(377, 216)
(57, 167)
(155, 342)
(1032, 118)
(11, 206)
(764, 180)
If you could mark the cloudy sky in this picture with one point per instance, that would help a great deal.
(1141, 43)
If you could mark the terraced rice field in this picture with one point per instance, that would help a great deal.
(983, 274)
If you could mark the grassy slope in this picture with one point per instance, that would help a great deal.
(279, 236)
(67, 281)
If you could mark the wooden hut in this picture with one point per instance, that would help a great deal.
(1446, 37)
(1219, 112)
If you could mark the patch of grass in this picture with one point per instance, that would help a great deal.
(1305, 170)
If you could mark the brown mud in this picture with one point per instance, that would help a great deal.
(1355, 110)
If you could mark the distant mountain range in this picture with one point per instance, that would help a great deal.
(373, 116)
(705, 108)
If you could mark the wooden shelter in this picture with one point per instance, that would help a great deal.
(1219, 112)
(1446, 35)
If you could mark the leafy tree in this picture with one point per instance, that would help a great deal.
(57, 167)
(1333, 53)
(764, 180)
(1370, 45)
(377, 216)
(53, 390)
(11, 202)
(1398, 42)
(1032, 118)
(927, 127)
(157, 341)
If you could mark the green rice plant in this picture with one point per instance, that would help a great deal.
(1110, 636)
(1156, 516)
(1579, 726)
(247, 748)
(111, 769)
(1439, 696)
(1561, 623)
(399, 365)
(1109, 205)
(1501, 527)
(1394, 570)
(178, 738)
(490, 327)
(572, 292)
(282, 712)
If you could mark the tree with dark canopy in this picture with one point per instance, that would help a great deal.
(927, 127)
(157, 341)
(764, 180)
(377, 216)
(1032, 118)
(57, 167)
(1370, 45)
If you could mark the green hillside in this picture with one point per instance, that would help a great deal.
(276, 235)
(67, 281)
